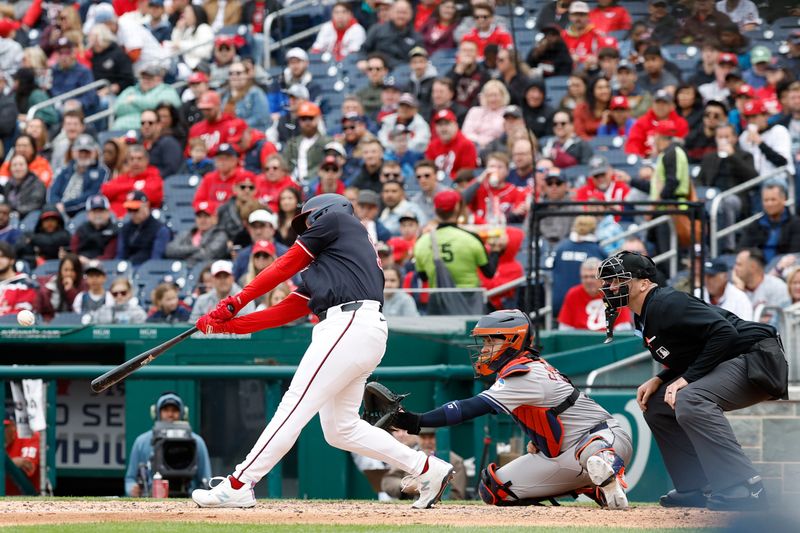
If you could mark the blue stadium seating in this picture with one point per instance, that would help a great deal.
(66, 319)
(28, 223)
(46, 269)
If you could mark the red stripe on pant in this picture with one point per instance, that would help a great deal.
(301, 397)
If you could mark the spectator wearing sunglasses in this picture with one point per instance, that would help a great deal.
(124, 309)
(273, 181)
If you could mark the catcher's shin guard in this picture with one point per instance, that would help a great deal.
(495, 492)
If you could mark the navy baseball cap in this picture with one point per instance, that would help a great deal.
(227, 149)
(98, 201)
(715, 266)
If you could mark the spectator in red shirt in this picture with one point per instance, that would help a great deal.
(486, 30)
(594, 111)
(24, 453)
(141, 176)
(216, 127)
(602, 184)
(451, 150)
(217, 186)
(608, 17)
(423, 11)
(640, 140)
(581, 37)
(17, 291)
(492, 198)
(273, 181)
(583, 306)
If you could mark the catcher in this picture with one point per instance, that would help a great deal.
(575, 447)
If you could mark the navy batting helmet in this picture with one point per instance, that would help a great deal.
(318, 206)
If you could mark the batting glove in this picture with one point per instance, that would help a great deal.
(206, 324)
(223, 312)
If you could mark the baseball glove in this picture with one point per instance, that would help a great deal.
(381, 405)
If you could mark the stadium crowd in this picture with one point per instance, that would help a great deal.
(173, 181)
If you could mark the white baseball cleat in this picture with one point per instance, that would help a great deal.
(432, 483)
(610, 483)
(224, 495)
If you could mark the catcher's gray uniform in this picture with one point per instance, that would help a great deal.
(526, 392)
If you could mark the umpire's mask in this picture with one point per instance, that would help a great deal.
(618, 271)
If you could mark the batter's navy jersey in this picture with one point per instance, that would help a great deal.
(345, 268)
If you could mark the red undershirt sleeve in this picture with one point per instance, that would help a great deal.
(293, 261)
(289, 309)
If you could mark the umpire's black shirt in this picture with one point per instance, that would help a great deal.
(691, 337)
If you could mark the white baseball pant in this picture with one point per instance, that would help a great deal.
(345, 348)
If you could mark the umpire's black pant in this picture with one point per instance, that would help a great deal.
(696, 440)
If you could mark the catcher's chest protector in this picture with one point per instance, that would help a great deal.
(541, 424)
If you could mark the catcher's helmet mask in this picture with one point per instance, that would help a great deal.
(317, 206)
(511, 335)
(618, 271)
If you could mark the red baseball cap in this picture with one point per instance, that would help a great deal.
(746, 90)
(608, 42)
(444, 114)
(753, 108)
(209, 100)
(7, 26)
(727, 57)
(667, 128)
(204, 207)
(197, 77)
(400, 248)
(446, 200)
(264, 247)
(619, 102)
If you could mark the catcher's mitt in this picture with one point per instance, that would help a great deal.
(381, 405)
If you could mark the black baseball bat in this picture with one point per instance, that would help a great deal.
(118, 373)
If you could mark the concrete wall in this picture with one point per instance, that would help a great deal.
(770, 435)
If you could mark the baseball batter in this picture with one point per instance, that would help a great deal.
(575, 445)
(343, 285)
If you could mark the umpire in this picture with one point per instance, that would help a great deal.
(714, 362)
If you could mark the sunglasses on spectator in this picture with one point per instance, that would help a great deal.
(482, 17)
(390, 174)
(554, 181)
(149, 122)
(564, 123)
(713, 115)
(272, 167)
(247, 187)
(224, 47)
(305, 119)
(542, 169)
(348, 128)
(262, 256)
(119, 293)
(426, 175)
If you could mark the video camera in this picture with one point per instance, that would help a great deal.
(174, 455)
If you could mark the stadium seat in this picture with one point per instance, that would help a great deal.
(46, 269)
(66, 319)
(553, 83)
(76, 221)
(28, 223)
(161, 267)
(181, 217)
(576, 175)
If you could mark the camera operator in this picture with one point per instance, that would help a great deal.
(169, 409)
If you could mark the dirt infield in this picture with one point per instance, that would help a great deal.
(15, 512)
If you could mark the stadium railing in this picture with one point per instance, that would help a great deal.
(787, 320)
(97, 84)
(269, 45)
(715, 233)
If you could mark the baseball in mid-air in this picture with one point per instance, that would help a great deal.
(26, 318)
